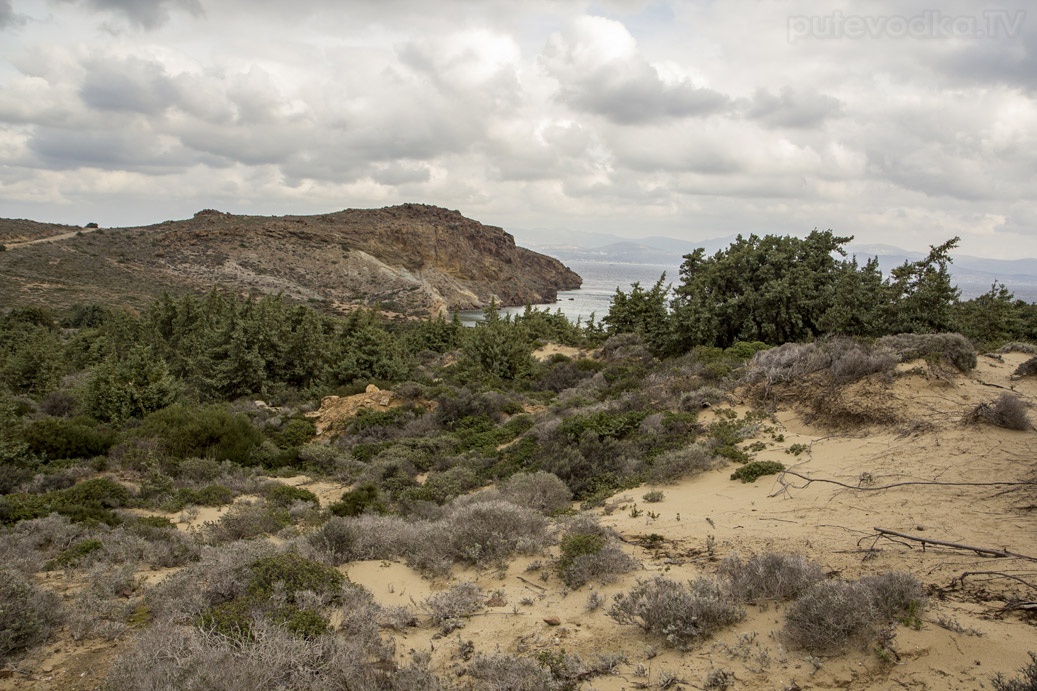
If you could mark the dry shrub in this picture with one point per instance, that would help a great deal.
(1007, 412)
(682, 613)
(1018, 347)
(830, 615)
(539, 491)
(170, 657)
(845, 359)
(700, 398)
(1026, 682)
(1026, 369)
(833, 613)
(954, 348)
(490, 532)
(511, 673)
(671, 466)
(28, 615)
(895, 593)
(453, 603)
(768, 576)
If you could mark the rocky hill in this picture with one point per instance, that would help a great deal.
(412, 259)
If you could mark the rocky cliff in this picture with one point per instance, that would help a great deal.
(413, 259)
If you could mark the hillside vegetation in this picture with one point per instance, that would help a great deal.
(171, 517)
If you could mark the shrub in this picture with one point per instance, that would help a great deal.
(671, 466)
(587, 556)
(768, 576)
(453, 603)
(540, 491)
(297, 432)
(206, 431)
(1007, 411)
(443, 486)
(248, 520)
(71, 556)
(683, 614)
(654, 496)
(754, 470)
(357, 500)
(284, 496)
(59, 438)
(896, 594)
(830, 615)
(1026, 682)
(189, 659)
(954, 348)
(28, 615)
(210, 495)
(511, 673)
(1026, 369)
(489, 532)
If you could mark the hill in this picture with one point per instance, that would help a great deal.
(413, 259)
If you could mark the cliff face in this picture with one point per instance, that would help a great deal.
(413, 259)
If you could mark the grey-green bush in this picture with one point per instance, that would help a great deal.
(28, 615)
(768, 576)
(681, 613)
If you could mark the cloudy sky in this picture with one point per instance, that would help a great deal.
(897, 121)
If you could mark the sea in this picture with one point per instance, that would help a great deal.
(600, 281)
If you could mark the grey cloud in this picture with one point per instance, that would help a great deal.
(117, 148)
(794, 109)
(130, 85)
(400, 173)
(147, 14)
(624, 88)
(8, 17)
(633, 93)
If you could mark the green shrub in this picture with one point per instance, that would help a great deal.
(206, 431)
(591, 556)
(603, 424)
(297, 432)
(296, 573)
(59, 438)
(357, 500)
(72, 555)
(210, 495)
(750, 472)
(286, 495)
(954, 348)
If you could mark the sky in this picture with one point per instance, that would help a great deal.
(898, 122)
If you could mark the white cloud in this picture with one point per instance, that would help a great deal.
(674, 117)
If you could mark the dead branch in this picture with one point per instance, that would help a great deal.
(865, 488)
(983, 551)
(995, 573)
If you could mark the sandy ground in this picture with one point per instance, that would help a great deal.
(703, 519)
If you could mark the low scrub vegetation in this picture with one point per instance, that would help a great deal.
(682, 614)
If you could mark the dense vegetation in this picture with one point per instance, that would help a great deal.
(202, 399)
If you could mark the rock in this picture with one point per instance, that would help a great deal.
(552, 621)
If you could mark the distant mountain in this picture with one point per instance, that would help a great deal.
(974, 275)
(412, 259)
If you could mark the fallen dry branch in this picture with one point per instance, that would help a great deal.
(995, 573)
(866, 488)
(982, 551)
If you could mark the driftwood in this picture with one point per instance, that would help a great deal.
(982, 551)
(866, 488)
(995, 573)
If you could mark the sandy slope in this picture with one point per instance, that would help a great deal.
(708, 517)
(705, 518)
